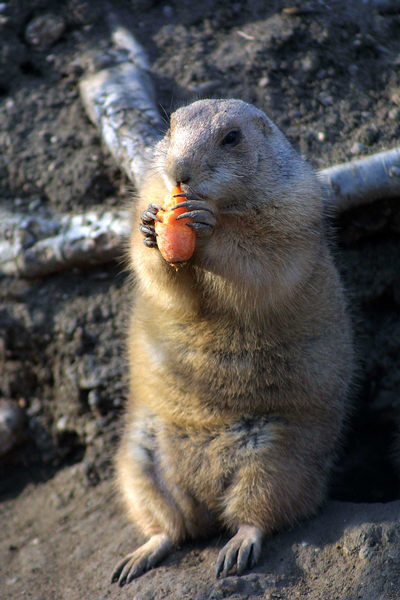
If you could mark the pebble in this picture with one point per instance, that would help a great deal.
(357, 148)
(325, 99)
(395, 96)
(394, 114)
(12, 419)
(94, 399)
(62, 424)
(45, 30)
(264, 81)
(34, 408)
(310, 62)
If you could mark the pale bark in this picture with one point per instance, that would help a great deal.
(32, 246)
(362, 181)
(119, 99)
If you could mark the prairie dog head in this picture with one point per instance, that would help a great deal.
(230, 152)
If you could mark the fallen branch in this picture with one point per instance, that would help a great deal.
(362, 181)
(33, 246)
(119, 100)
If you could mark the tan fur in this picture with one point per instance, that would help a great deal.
(240, 361)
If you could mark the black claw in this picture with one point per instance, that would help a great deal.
(191, 204)
(149, 217)
(116, 576)
(180, 205)
(193, 214)
(200, 227)
(188, 196)
(147, 229)
(186, 215)
(150, 243)
(147, 226)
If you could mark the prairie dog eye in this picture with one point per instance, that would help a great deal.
(232, 138)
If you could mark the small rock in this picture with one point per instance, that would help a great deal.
(394, 114)
(310, 62)
(264, 81)
(94, 399)
(325, 99)
(45, 30)
(357, 148)
(91, 430)
(62, 424)
(34, 408)
(12, 419)
(395, 96)
(34, 204)
(89, 373)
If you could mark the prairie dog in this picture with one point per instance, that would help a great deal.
(240, 360)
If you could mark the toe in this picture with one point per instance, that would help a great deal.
(119, 568)
(241, 552)
(244, 555)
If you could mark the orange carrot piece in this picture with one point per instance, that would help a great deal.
(176, 241)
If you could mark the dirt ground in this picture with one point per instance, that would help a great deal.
(329, 76)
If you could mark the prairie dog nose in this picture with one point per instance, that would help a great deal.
(178, 170)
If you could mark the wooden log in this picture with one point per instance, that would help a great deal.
(119, 99)
(362, 181)
(32, 246)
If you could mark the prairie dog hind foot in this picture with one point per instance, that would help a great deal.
(143, 559)
(241, 552)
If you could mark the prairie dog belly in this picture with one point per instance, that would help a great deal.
(200, 462)
(206, 373)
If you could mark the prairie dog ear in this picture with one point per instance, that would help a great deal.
(172, 121)
(263, 123)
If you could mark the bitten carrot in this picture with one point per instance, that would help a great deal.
(175, 240)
